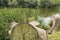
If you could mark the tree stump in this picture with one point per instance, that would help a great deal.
(24, 32)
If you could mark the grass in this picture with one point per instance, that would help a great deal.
(55, 36)
(20, 15)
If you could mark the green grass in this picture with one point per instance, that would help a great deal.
(20, 15)
(54, 36)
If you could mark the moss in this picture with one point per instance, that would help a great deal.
(24, 32)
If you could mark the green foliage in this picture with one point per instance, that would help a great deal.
(54, 36)
(49, 4)
(4, 3)
(30, 3)
(20, 15)
(42, 23)
(56, 1)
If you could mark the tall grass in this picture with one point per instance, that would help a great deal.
(20, 15)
